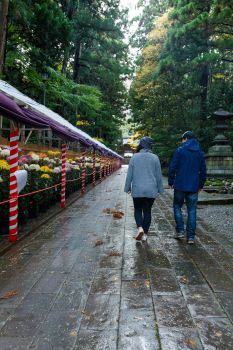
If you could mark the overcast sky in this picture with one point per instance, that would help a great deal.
(133, 11)
(132, 5)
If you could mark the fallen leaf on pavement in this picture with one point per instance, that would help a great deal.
(73, 333)
(10, 294)
(218, 333)
(114, 211)
(87, 317)
(191, 342)
(98, 242)
(117, 215)
(184, 280)
(115, 253)
(135, 284)
(147, 284)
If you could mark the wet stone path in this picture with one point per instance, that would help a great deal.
(67, 293)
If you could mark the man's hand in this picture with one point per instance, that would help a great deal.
(200, 189)
(129, 192)
(171, 187)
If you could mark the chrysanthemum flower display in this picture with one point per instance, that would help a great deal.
(44, 170)
(33, 167)
(54, 154)
(4, 153)
(4, 165)
(45, 176)
(34, 157)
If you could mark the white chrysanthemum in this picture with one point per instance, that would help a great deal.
(47, 160)
(1, 179)
(5, 152)
(57, 170)
(25, 166)
(35, 157)
(34, 167)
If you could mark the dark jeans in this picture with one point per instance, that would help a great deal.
(142, 212)
(191, 203)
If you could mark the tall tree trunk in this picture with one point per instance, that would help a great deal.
(3, 28)
(65, 63)
(77, 56)
(204, 81)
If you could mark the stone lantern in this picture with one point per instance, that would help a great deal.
(219, 159)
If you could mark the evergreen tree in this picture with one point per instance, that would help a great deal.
(80, 44)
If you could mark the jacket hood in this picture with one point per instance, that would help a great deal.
(146, 142)
(191, 145)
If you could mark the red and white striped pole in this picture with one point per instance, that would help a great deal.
(105, 166)
(83, 172)
(108, 167)
(93, 168)
(100, 168)
(13, 205)
(63, 175)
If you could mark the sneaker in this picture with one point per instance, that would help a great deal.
(190, 241)
(144, 238)
(140, 234)
(179, 235)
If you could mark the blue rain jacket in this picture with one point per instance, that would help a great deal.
(187, 170)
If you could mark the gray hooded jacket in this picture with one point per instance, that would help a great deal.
(144, 177)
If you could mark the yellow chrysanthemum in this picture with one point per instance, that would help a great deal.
(45, 169)
(4, 165)
(54, 154)
(45, 176)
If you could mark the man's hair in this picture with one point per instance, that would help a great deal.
(188, 135)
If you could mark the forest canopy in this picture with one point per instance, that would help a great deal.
(78, 45)
(185, 69)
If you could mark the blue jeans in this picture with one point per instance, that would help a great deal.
(142, 212)
(191, 203)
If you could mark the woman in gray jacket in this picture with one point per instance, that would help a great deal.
(144, 182)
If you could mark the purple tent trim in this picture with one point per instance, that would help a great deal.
(12, 110)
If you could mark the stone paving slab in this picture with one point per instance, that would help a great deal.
(70, 294)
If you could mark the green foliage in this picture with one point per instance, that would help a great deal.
(80, 44)
(184, 72)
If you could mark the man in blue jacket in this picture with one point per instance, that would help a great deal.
(187, 175)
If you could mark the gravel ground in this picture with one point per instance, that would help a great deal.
(220, 219)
